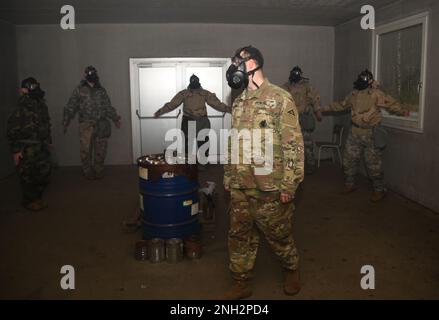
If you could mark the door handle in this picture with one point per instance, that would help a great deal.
(146, 118)
(217, 117)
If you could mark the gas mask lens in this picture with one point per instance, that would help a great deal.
(33, 86)
(363, 80)
(91, 76)
(194, 82)
(35, 91)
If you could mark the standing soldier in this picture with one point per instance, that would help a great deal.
(194, 100)
(308, 102)
(92, 103)
(262, 202)
(29, 136)
(365, 103)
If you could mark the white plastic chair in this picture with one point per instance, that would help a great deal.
(336, 144)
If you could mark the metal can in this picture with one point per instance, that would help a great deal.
(156, 250)
(193, 248)
(174, 250)
(141, 250)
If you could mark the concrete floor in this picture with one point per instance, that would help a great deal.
(336, 236)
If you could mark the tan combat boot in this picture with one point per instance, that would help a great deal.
(378, 196)
(239, 290)
(292, 282)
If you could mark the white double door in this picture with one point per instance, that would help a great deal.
(155, 82)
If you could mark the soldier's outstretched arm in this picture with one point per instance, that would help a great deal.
(292, 148)
(341, 106)
(71, 108)
(171, 105)
(213, 101)
(390, 104)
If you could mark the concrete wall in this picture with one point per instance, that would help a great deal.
(411, 160)
(57, 58)
(8, 91)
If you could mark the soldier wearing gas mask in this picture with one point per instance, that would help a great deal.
(30, 139)
(307, 100)
(90, 100)
(194, 100)
(262, 201)
(365, 104)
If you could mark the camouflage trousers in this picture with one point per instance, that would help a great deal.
(359, 143)
(308, 141)
(92, 149)
(34, 172)
(253, 211)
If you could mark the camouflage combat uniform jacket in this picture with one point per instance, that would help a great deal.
(29, 124)
(268, 107)
(194, 103)
(366, 107)
(91, 103)
(306, 97)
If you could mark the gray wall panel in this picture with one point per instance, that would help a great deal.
(8, 91)
(57, 59)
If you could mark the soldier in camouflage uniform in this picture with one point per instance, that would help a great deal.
(194, 100)
(307, 100)
(365, 103)
(263, 202)
(90, 100)
(29, 136)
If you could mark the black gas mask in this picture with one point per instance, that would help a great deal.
(194, 82)
(237, 74)
(91, 74)
(33, 88)
(363, 80)
(296, 75)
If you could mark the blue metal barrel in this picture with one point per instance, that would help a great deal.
(168, 198)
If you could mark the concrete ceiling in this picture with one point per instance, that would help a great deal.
(280, 12)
